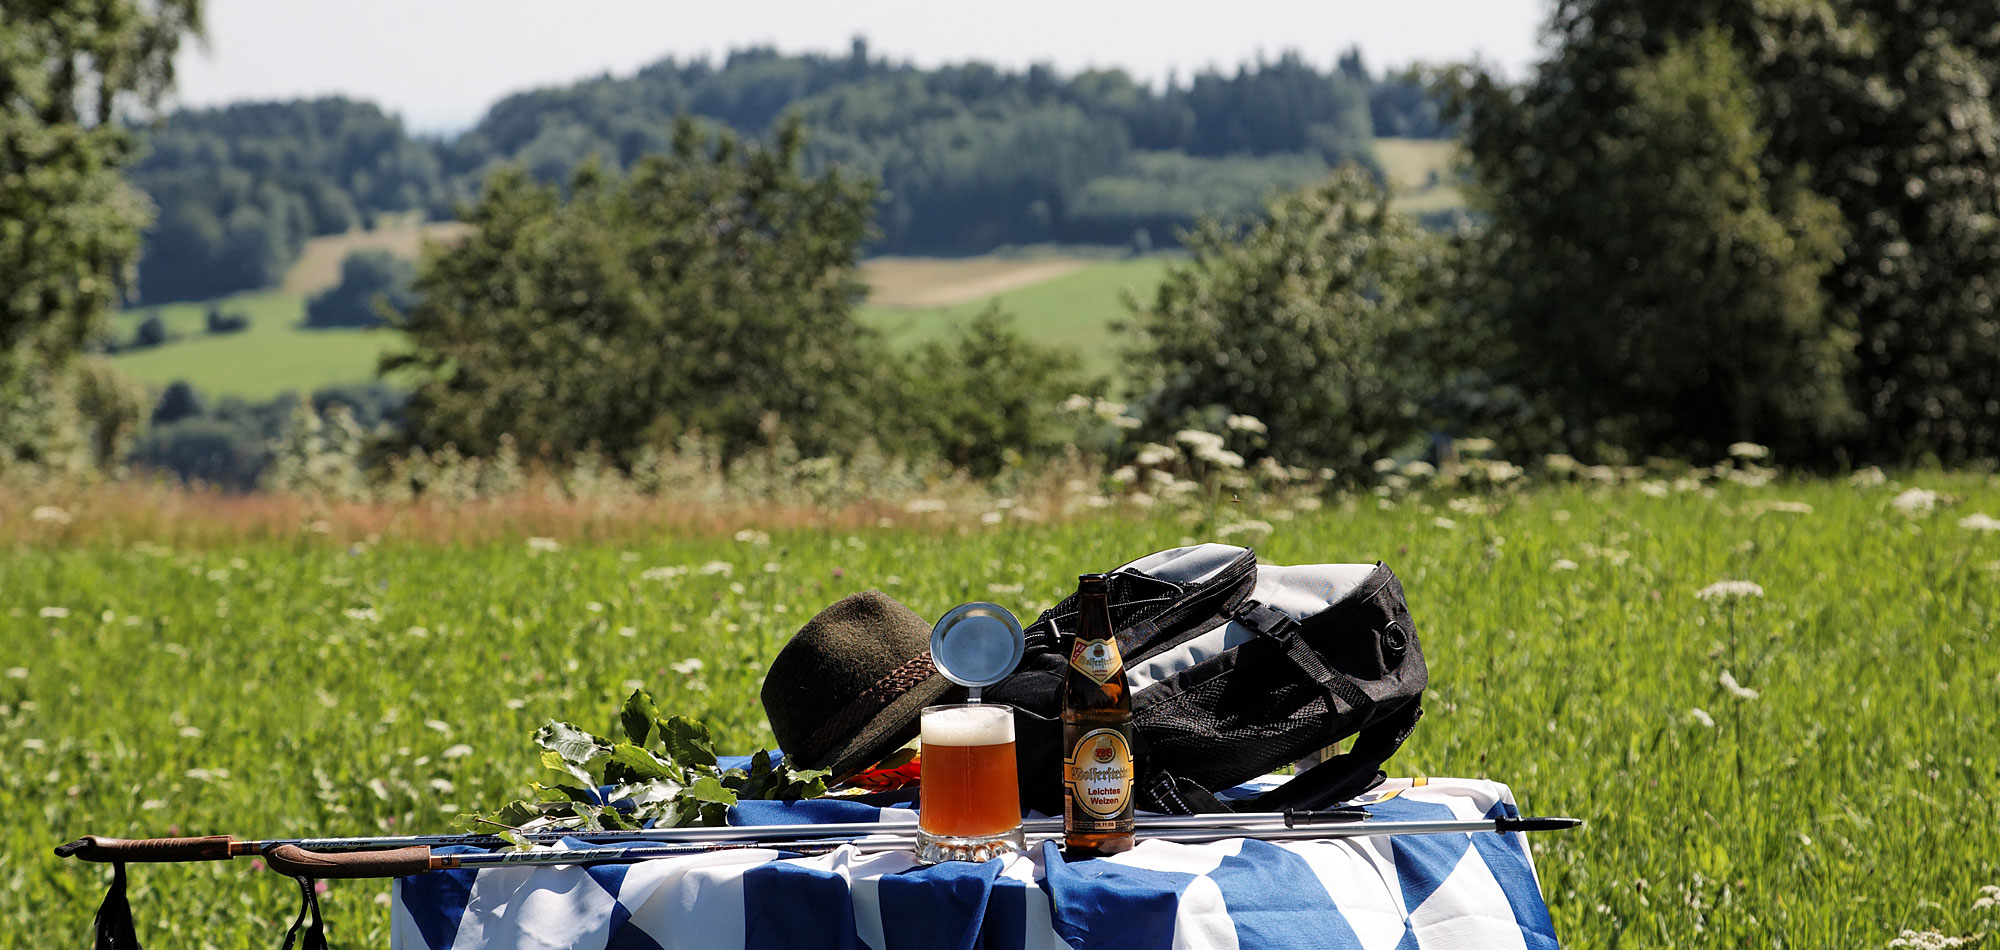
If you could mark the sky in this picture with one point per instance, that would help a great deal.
(440, 63)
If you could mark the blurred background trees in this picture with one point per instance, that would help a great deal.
(68, 71)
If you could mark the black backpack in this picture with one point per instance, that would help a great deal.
(1236, 669)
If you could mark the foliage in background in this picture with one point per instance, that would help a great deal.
(981, 400)
(663, 774)
(1664, 189)
(709, 290)
(69, 223)
(369, 281)
(232, 443)
(1319, 320)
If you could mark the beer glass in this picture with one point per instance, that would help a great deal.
(969, 804)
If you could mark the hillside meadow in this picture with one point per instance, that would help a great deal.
(1773, 703)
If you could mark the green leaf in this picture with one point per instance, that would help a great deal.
(638, 717)
(573, 744)
(567, 773)
(688, 743)
(630, 763)
(708, 789)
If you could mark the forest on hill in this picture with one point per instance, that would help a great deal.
(970, 157)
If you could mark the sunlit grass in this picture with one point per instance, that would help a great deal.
(1845, 787)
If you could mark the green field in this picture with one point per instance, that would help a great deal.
(1073, 311)
(274, 355)
(1847, 786)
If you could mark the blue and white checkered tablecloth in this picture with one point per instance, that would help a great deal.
(1379, 892)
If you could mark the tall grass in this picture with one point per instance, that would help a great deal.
(288, 681)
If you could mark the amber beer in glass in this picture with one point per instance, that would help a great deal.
(1097, 732)
(969, 805)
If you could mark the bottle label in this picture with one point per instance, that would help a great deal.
(1097, 659)
(1098, 773)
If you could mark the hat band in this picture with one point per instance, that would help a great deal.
(873, 700)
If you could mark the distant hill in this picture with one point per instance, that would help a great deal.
(971, 157)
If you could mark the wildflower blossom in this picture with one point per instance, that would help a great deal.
(918, 506)
(662, 573)
(1980, 521)
(1869, 477)
(1563, 564)
(365, 614)
(990, 518)
(50, 514)
(1219, 456)
(1154, 454)
(1246, 424)
(714, 568)
(1738, 690)
(1748, 450)
(1933, 940)
(1788, 507)
(458, 751)
(1197, 439)
(1724, 590)
(544, 545)
(1077, 402)
(1701, 716)
(55, 613)
(1915, 501)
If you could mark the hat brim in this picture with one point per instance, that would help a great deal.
(889, 730)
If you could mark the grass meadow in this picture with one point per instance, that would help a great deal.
(1814, 766)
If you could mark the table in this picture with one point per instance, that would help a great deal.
(1393, 893)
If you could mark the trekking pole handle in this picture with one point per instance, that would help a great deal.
(298, 862)
(94, 848)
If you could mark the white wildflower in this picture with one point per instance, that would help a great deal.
(1005, 588)
(17, 672)
(207, 775)
(55, 613)
(1417, 469)
(687, 667)
(1246, 424)
(1559, 464)
(320, 527)
(1196, 439)
(713, 568)
(1126, 422)
(1154, 454)
(1654, 489)
(1980, 521)
(1476, 446)
(1563, 564)
(1701, 716)
(1788, 507)
(366, 614)
(1869, 477)
(417, 632)
(50, 514)
(1468, 505)
(1445, 523)
(1724, 590)
(1748, 450)
(594, 607)
(1738, 690)
(991, 517)
(1077, 402)
(1915, 501)
(1140, 499)
(1220, 456)
(516, 704)
(190, 732)
(1253, 529)
(662, 573)
(1108, 408)
(438, 725)
(458, 751)
(33, 745)
(753, 537)
(1932, 940)
(918, 506)
(442, 786)
(1124, 475)
(1984, 903)
(544, 545)
(1383, 466)
(152, 804)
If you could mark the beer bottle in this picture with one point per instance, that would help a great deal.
(1097, 732)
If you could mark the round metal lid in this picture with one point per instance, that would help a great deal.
(977, 644)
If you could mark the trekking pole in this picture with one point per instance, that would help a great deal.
(298, 862)
(223, 847)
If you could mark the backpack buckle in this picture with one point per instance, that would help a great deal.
(1266, 620)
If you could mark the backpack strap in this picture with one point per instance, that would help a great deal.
(1343, 696)
(1346, 775)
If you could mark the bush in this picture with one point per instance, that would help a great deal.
(179, 402)
(215, 451)
(152, 331)
(369, 281)
(1320, 320)
(219, 323)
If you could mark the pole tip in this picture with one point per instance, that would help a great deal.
(1536, 824)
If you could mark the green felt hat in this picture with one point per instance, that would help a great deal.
(848, 689)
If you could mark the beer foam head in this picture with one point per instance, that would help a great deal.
(969, 725)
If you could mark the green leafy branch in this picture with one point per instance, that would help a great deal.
(664, 774)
